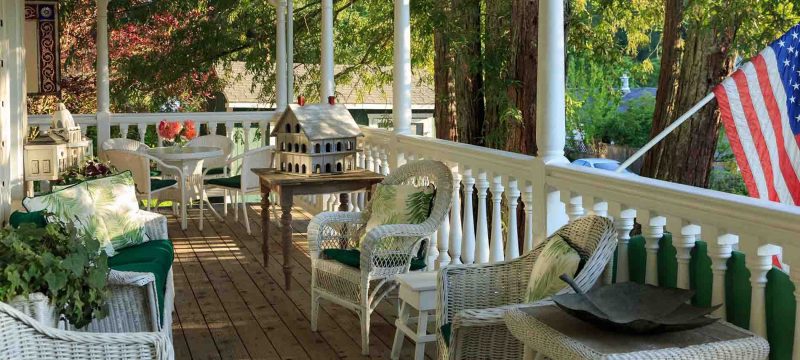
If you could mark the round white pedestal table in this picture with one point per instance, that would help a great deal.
(190, 161)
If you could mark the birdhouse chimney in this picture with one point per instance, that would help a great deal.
(331, 100)
(301, 100)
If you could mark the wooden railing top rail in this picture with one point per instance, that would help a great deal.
(154, 118)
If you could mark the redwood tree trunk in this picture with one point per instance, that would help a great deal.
(468, 70)
(524, 33)
(444, 112)
(690, 68)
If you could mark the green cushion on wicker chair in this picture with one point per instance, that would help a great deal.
(215, 171)
(156, 184)
(352, 258)
(229, 182)
(36, 218)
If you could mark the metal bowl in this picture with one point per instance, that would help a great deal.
(635, 308)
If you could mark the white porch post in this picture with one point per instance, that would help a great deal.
(326, 50)
(550, 113)
(280, 66)
(17, 97)
(290, 51)
(103, 90)
(401, 73)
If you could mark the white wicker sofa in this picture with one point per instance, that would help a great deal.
(140, 300)
(472, 299)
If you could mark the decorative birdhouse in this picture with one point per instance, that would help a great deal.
(317, 139)
(51, 152)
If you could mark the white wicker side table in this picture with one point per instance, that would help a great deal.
(417, 291)
(552, 333)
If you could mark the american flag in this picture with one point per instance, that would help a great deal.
(760, 108)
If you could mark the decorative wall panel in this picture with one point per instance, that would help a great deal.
(42, 62)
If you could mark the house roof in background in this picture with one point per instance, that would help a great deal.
(239, 89)
(634, 94)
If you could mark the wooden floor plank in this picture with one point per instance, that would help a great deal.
(229, 305)
(223, 333)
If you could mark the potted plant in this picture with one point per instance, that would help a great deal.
(52, 272)
(90, 168)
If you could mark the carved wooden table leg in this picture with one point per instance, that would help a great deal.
(265, 224)
(344, 202)
(286, 234)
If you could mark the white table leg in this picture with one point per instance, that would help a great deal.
(399, 336)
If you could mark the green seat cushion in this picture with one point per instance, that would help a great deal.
(352, 258)
(229, 182)
(156, 184)
(153, 257)
(36, 218)
(215, 171)
(446, 329)
(155, 172)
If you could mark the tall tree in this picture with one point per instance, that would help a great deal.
(524, 62)
(700, 43)
(468, 70)
(444, 112)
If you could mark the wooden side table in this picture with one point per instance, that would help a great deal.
(553, 333)
(417, 291)
(288, 185)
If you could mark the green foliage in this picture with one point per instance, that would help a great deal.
(632, 127)
(725, 176)
(56, 260)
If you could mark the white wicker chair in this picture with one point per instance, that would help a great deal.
(473, 298)
(23, 338)
(123, 144)
(386, 251)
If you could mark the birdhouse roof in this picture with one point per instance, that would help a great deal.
(321, 121)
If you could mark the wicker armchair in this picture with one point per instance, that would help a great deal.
(473, 298)
(386, 250)
(23, 338)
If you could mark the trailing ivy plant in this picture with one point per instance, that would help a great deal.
(61, 263)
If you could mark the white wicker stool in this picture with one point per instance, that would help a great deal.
(417, 291)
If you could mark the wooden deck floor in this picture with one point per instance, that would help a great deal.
(228, 305)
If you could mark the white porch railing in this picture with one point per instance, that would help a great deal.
(249, 121)
(501, 179)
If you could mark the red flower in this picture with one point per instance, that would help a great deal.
(169, 130)
(189, 130)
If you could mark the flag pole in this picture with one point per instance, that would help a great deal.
(674, 125)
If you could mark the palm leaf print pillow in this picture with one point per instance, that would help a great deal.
(115, 204)
(399, 204)
(557, 257)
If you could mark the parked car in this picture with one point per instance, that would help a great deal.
(602, 164)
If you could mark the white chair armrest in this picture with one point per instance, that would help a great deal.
(155, 225)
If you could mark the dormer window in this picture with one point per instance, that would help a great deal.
(297, 128)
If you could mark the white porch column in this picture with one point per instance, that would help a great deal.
(16, 97)
(290, 51)
(280, 65)
(550, 88)
(401, 72)
(103, 90)
(326, 49)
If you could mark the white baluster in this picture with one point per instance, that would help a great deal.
(455, 220)
(496, 252)
(652, 230)
(624, 224)
(599, 207)
(574, 203)
(330, 202)
(229, 125)
(369, 159)
(212, 127)
(385, 162)
(354, 205)
(482, 235)
(683, 241)
(443, 243)
(262, 130)
(512, 244)
(720, 247)
(468, 232)
(142, 127)
(84, 129)
(376, 155)
(759, 262)
(246, 134)
(527, 201)
(123, 131)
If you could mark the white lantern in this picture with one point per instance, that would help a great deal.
(45, 157)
